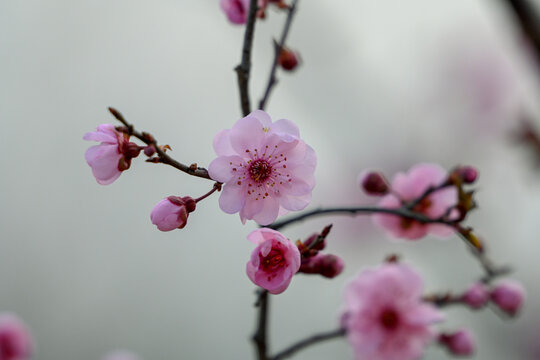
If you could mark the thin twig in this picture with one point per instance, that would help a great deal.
(260, 336)
(163, 157)
(277, 50)
(244, 68)
(307, 342)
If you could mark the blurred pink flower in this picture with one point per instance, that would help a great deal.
(273, 262)
(237, 10)
(15, 340)
(385, 318)
(477, 295)
(508, 296)
(266, 168)
(112, 156)
(460, 343)
(121, 355)
(172, 212)
(410, 186)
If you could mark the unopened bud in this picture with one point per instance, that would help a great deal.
(468, 174)
(149, 150)
(172, 212)
(373, 183)
(476, 296)
(287, 59)
(460, 343)
(131, 150)
(320, 245)
(508, 296)
(326, 265)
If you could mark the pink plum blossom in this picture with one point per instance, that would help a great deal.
(410, 186)
(172, 212)
(121, 355)
(112, 156)
(385, 317)
(265, 166)
(15, 340)
(508, 296)
(273, 262)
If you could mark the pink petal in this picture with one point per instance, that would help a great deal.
(251, 207)
(247, 134)
(286, 128)
(268, 213)
(222, 145)
(105, 133)
(103, 159)
(260, 115)
(221, 168)
(233, 198)
(442, 200)
(295, 203)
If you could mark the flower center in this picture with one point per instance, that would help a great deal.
(389, 319)
(260, 170)
(274, 260)
(7, 347)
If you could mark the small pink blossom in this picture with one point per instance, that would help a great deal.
(121, 355)
(460, 343)
(273, 262)
(266, 168)
(476, 296)
(410, 186)
(385, 317)
(15, 340)
(172, 212)
(112, 156)
(508, 296)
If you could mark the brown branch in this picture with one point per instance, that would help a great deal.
(260, 336)
(244, 68)
(148, 139)
(277, 50)
(307, 342)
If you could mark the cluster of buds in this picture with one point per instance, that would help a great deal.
(327, 265)
(508, 296)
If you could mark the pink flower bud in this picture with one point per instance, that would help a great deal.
(508, 296)
(468, 174)
(460, 343)
(373, 183)
(172, 212)
(288, 59)
(326, 265)
(476, 296)
(273, 262)
(15, 340)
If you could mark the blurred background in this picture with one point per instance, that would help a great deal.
(383, 84)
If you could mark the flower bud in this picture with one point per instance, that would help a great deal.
(468, 174)
(172, 212)
(15, 340)
(460, 343)
(476, 296)
(287, 59)
(319, 246)
(149, 150)
(508, 296)
(326, 265)
(131, 150)
(373, 183)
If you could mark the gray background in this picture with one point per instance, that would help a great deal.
(384, 84)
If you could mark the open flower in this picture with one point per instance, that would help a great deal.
(273, 262)
(266, 168)
(409, 187)
(385, 317)
(112, 156)
(15, 340)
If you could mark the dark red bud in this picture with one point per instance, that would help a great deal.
(149, 150)
(131, 150)
(124, 163)
(468, 174)
(374, 183)
(326, 265)
(287, 59)
(319, 246)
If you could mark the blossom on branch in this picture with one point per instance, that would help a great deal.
(267, 170)
(411, 186)
(112, 156)
(15, 340)
(172, 212)
(385, 317)
(273, 262)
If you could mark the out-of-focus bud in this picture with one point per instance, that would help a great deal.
(468, 174)
(476, 296)
(288, 59)
(172, 212)
(326, 265)
(373, 183)
(15, 340)
(319, 246)
(460, 343)
(149, 150)
(508, 296)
